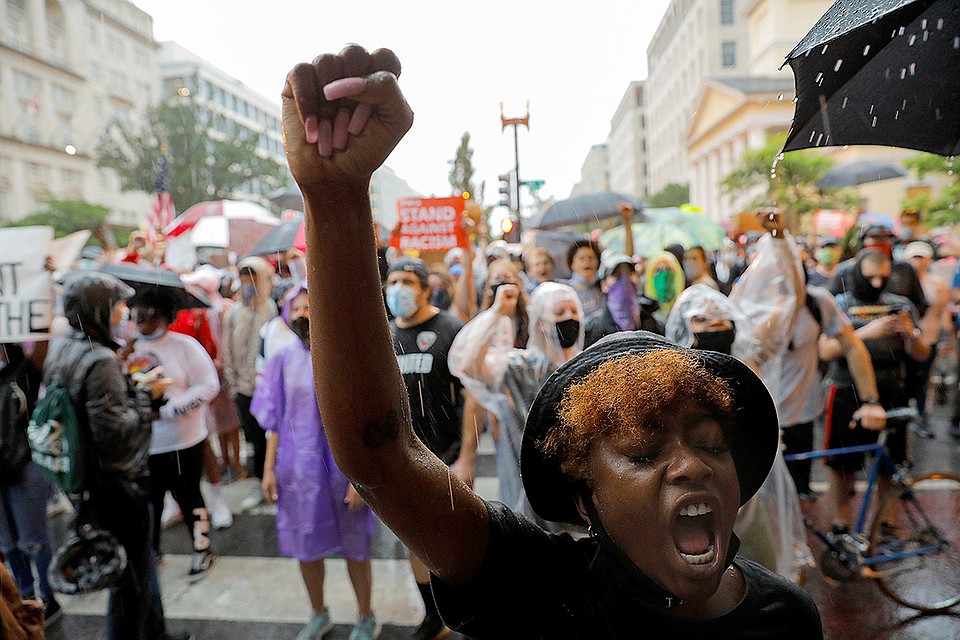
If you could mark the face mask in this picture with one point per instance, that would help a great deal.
(249, 291)
(120, 330)
(567, 332)
(719, 341)
(622, 303)
(663, 285)
(440, 299)
(864, 290)
(301, 327)
(691, 271)
(156, 335)
(402, 301)
(826, 256)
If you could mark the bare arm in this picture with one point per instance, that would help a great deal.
(465, 467)
(359, 388)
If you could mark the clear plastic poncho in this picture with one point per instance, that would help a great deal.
(707, 303)
(505, 380)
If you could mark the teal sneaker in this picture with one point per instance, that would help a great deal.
(366, 629)
(320, 625)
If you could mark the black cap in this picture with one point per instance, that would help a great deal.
(415, 266)
(753, 440)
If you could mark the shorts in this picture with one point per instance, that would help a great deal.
(842, 403)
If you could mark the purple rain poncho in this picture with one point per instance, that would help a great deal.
(312, 520)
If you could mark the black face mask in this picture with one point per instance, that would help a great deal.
(567, 332)
(863, 289)
(440, 298)
(301, 327)
(719, 341)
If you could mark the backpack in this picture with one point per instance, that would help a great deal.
(14, 416)
(56, 439)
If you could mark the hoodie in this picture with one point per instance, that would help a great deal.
(241, 330)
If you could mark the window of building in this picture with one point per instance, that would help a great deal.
(63, 98)
(16, 26)
(726, 12)
(69, 178)
(27, 85)
(55, 31)
(729, 55)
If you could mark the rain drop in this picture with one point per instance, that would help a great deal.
(812, 134)
(874, 121)
(926, 36)
(844, 105)
(896, 116)
(903, 73)
(819, 78)
(956, 42)
(950, 172)
(796, 99)
(825, 48)
(836, 67)
(819, 139)
(871, 108)
(923, 23)
(866, 50)
(780, 97)
(940, 24)
(913, 39)
(902, 29)
(913, 68)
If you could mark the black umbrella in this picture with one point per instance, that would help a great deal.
(281, 238)
(861, 172)
(884, 72)
(143, 278)
(590, 207)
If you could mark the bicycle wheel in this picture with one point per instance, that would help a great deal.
(921, 521)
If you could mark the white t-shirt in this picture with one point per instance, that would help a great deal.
(274, 336)
(182, 422)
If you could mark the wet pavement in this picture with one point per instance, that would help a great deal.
(254, 594)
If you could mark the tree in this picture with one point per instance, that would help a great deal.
(944, 208)
(66, 216)
(461, 169)
(672, 195)
(786, 181)
(202, 166)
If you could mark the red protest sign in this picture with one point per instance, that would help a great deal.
(429, 224)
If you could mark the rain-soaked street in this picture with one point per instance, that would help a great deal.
(254, 594)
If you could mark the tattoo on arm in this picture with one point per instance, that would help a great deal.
(376, 433)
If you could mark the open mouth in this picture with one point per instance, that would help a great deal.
(694, 533)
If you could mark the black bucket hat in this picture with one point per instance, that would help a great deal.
(754, 437)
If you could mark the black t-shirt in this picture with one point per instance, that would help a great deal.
(436, 403)
(888, 354)
(538, 585)
(904, 281)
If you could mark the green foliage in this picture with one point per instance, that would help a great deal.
(672, 195)
(202, 166)
(66, 217)
(942, 209)
(786, 181)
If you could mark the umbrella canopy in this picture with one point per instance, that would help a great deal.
(142, 278)
(232, 234)
(855, 173)
(664, 227)
(885, 72)
(233, 209)
(280, 239)
(590, 207)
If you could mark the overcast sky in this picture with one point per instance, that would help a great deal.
(571, 60)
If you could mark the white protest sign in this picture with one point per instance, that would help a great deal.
(24, 283)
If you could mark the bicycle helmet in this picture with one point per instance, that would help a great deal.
(89, 561)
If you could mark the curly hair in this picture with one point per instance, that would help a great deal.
(626, 394)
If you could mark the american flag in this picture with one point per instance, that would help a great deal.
(162, 211)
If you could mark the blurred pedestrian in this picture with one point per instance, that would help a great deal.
(319, 513)
(583, 260)
(241, 344)
(180, 432)
(117, 417)
(696, 268)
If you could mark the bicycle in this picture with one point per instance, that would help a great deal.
(912, 547)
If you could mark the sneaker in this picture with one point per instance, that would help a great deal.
(51, 612)
(366, 629)
(320, 625)
(220, 515)
(253, 499)
(200, 565)
(171, 515)
(430, 629)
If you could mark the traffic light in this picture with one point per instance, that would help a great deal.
(511, 229)
(508, 190)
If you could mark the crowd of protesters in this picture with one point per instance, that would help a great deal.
(477, 334)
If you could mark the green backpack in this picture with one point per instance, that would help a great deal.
(56, 440)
